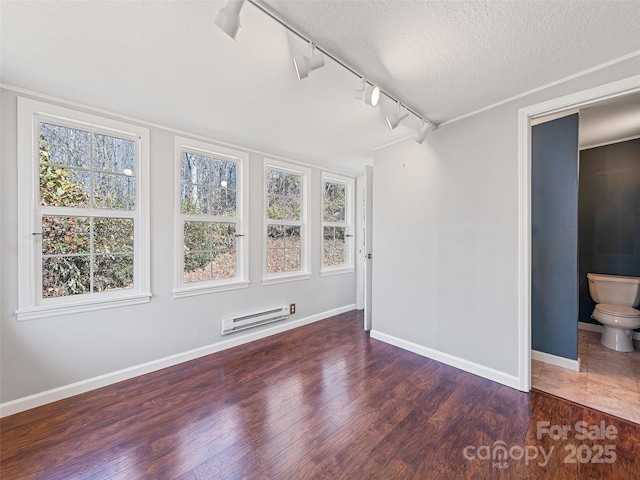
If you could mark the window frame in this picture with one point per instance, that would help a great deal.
(349, 265)
(304, 273)
(31, 304)
(241, 280)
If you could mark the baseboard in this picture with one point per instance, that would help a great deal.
(598, 328)
(555, 360)
(451, 360)
(66, 391)
(591, 327)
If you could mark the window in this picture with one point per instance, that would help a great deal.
(210, 236)
(285, 222)
(337, 215)
(83, 211)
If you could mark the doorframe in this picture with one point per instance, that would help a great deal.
(368, 248)
(360, 239)
(525, 115)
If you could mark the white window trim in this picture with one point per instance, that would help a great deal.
(349, 224)
(304, 273)
(182, 289)
(30, 303)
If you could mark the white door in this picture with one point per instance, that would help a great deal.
(368, 253)
(360, 240)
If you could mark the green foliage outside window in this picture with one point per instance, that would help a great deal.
(73, 262)
(284, 195)
(208, 189)
(335, 206)
(55, 186)
(335, 214)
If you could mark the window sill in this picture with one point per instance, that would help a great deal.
(43, 311)
(337, 271)
(286, 278)
(205, 289)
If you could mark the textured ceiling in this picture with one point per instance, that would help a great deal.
(449, 58)
(165, 62)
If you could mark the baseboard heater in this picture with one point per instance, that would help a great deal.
(236, 324)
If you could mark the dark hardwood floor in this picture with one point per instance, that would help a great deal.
(321, 401)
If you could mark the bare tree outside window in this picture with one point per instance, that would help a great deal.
(81, 175)
(284, 205)
(208, 200)
(334, 224)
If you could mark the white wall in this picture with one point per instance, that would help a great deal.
(446, 236)
(43, 354)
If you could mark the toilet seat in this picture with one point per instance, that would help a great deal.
(617, 310)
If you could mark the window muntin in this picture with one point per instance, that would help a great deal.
(284, 195)
(97, 170)
(86, 254)
(337, 245)
(208, 186)
(209, 251)
(85, 171)
(334, 251)
(82, 184)
(210, 239)
(285, 221)
(284, 252)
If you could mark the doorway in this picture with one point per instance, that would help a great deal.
(364, 240)
(589, 345)
(525, 116)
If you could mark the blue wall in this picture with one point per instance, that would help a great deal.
(554, 237)
(608, 215)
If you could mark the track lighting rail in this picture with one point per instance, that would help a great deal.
(228, 19)
(275, 16)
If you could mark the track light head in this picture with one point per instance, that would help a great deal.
(394, 119)
(306, 64)
(228, 18)
(427, 126)
(369, 94)
(372, 95)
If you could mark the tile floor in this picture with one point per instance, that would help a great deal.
(608, 381)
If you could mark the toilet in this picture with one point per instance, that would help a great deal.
(615, 297)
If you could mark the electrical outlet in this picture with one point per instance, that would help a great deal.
(292, 308)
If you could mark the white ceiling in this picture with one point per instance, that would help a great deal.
(165, 62)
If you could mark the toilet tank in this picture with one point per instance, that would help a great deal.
(614, 289)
